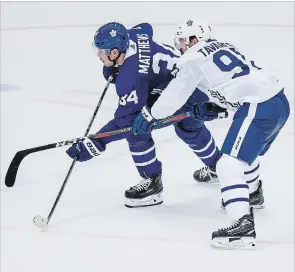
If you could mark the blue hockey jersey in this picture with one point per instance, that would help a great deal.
(147, 67)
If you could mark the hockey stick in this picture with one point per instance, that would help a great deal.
(42, 222)
(20, 155)
(38, 220)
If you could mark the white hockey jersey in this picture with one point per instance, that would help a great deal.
(220, 71)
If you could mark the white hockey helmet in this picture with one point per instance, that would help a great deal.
(188, 29)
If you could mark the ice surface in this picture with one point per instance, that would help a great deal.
(58, 82)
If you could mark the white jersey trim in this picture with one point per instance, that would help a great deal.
(203, 149)
(146, 163)
(143, 152)
(208, 156)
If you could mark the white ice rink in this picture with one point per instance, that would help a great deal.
(51, 81)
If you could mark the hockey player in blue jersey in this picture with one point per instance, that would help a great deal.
(192, 132)
(260, 109)
(141, 67)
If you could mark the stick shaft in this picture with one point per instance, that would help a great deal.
(20, 155)
(74, 161)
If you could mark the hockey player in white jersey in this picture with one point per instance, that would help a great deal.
(260, 109)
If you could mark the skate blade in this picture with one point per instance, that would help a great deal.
(144, 202)
(212, 181)
(230, 243)
(259, 206)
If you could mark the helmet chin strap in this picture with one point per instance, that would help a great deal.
(114, 61)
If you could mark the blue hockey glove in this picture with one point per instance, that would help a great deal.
(208, 111)
(111, 71)
(143, 122)
(86, 150)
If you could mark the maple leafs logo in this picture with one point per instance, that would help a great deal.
(189, 23)
(113, 33)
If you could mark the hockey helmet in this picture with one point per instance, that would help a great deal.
(110, 36)
(189, 29)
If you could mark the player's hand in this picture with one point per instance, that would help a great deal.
(111, 71)
(208, 111)
(143, 122)
(86, 150)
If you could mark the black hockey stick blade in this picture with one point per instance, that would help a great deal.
(16, 161)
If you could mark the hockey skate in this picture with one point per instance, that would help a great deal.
(240, 235)
(256, 199)
(206, 175)
(148, 192)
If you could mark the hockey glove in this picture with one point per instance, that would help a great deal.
(208, 111)
(111, 71)
(143, 122)
(86, 150)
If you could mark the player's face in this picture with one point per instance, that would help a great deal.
(101, 53)
(180, 44)
(192, 42)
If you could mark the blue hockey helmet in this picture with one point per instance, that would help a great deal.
(110, 36)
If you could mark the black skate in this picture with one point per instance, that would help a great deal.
(239, 235)
(206, 174)
(148, 192)
(256, 199)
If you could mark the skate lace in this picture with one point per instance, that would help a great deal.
(205, 171)
(142, 185)
(235, 224)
